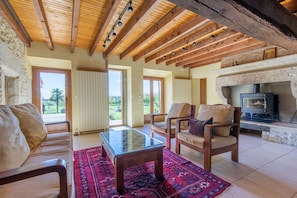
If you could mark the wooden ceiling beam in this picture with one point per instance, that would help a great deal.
(167, 19)
(233, 51)
(193, 24)
(11, 18)
(214, 50)
(110, 12)
(290, 5)
(42, 18)
(188, 50)
(221, 43)
(75, 17)
(145, 9)
(272, 22)
(200, 34)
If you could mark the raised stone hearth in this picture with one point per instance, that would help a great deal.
(279, 132)
(276, 70)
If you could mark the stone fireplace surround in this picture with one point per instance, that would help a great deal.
(281, 69)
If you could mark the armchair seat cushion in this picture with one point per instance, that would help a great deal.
(216, 141)
(162, 127)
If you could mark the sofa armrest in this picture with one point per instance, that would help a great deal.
(56, 125)
(25, 172)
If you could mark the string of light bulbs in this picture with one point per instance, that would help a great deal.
(118, 23)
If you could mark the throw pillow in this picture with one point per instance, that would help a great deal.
(197, 126)
(14, 148)
(31, 123)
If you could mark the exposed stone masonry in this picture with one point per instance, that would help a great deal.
(15, 85)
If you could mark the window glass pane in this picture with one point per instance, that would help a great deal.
(52, 89)
(115, 97)
(146, 97)
(157, 96)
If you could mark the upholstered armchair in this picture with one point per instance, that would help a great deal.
(167, 128)
(214, 131)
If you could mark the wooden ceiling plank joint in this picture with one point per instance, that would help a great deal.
(42, 18)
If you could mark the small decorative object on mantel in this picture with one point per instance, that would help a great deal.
(269, 53)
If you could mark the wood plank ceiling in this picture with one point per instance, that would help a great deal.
(156, 30)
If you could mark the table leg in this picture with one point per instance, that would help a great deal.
(119, 175)
(159, 165)
(103, 152)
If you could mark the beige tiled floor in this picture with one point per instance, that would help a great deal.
(265, 169)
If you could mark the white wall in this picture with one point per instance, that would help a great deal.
(80, 59)
(208, 73)
(182, 91)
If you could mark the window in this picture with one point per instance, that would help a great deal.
(152, 96)
(115, 82)
(52, 93)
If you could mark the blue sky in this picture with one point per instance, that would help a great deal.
(114, 81)
(50, 81)
(54, 80)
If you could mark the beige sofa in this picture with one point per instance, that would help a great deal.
(33, 161)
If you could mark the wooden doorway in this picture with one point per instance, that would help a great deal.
(203, 91)
(153, 97)
(52, 87)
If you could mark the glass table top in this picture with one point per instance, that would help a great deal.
(128, 141)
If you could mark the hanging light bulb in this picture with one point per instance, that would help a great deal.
(130, 8)
(108, 40)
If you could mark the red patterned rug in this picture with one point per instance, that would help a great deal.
(94, 177)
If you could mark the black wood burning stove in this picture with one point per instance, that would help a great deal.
(262, 107)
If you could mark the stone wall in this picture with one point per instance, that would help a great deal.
(15, 84)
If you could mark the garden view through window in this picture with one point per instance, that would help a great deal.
(152, 95)
(52, 89)
(115, 82)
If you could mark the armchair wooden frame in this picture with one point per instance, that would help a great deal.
(207, 150)
(168, 135)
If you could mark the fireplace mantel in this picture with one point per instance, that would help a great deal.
(274, 63)
(279, 69)
(275, 70)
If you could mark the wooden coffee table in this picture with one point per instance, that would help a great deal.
(129, 147)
